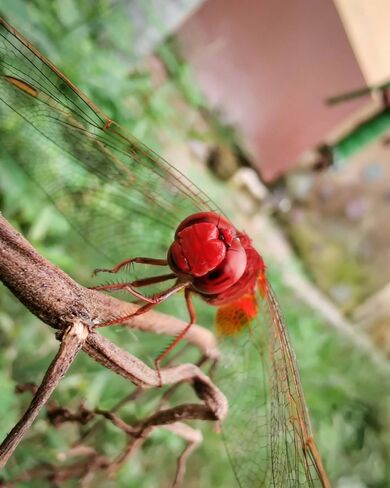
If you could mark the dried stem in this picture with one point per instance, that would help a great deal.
(125, 364)
(65, 305)
(194, 438)
(71, 344)
(58, 300)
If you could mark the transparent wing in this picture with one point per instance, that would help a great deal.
(126, 201)
(101, 178)
(267, 433)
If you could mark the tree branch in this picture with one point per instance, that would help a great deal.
(57, 300)
(65, 305)
(71, 344)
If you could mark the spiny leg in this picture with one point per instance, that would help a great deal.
(153, 280)
(125, 318)
(150, 302)
(129, 286)
(191, 311)
(126, 262)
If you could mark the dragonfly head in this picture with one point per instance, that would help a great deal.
(208, 249)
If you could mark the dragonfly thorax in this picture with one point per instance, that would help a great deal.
(208, 249)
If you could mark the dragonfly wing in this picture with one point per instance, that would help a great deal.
(267, 432)
(126, 201)
(120, 196)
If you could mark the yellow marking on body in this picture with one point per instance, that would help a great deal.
(231, 319)
(22, 85)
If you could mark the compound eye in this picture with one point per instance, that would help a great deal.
(225, 274)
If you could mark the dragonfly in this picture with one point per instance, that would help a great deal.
(138, 202)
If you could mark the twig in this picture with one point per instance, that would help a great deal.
(63, 304)
(194, 438)
(57, 300)
(130, 367)
(71, 344)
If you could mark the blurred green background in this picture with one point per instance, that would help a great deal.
(348, 396)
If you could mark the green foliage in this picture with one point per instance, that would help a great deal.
(348, 396)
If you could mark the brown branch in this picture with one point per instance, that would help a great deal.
(194, 438)
(130, 367)
(63, 304)
(166, 419)
(58, 300)
(71, 344)
(138, 433)
(81, 470)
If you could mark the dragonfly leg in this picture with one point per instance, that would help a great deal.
(150, 302)
(127, 262)
(125, 287)
(153, 279)
(128, 286)
(191, 311)
(131, 288)
(126, 318)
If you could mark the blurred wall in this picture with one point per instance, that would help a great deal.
(367, 24)
(268, 65)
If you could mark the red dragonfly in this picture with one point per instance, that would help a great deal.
(137, 201)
